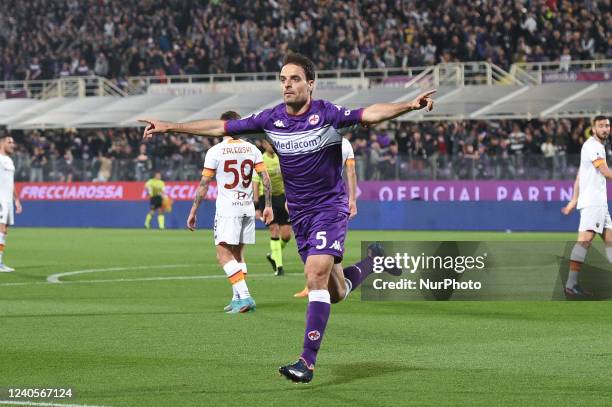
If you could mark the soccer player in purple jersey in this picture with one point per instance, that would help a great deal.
(307, 135)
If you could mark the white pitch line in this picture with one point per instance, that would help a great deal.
(43, 404)
(124, 280)
(128, 280)
(55, 278)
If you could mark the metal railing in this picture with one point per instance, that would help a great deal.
(450, 74)
(400, 167)
(533, 72)
(468, 167)
(70, 86)
(454, 74)
(472, 73)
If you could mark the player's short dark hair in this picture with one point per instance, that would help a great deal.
(304, 62)
(230, 115)
(599, 118)
(4, 136)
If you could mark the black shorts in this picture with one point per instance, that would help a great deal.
(156, 202)
(281, 217)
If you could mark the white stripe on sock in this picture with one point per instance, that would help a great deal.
(319, 295)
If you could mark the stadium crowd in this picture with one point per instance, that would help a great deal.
(43, 39)
(399, 150)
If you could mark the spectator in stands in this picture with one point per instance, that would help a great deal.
(67, 168)
(104, 165)
(564, 60)
(143, 163)
(470, 161)
(34, 70)
(376, 158)
(82, 69)
(37, 164)
(431, 152)
(548, 150)
(65, 70)
(388, 164)
(223, 36)
(416, 151)
(101, 66)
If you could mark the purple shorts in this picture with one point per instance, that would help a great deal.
(321, 233)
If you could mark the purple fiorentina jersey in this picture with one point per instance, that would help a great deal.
(309, 147)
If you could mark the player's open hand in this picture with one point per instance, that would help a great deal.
(567, 209)
(153, 126)
(258, 215)
(18, 207)
(268, 215)
(352, 209)
(424, 100)
(191, 221)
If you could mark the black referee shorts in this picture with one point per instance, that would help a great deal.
(281, 217)
(156, 202)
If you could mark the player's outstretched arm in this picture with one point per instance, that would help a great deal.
(571, 205)
(212, 128)
(380, 112)
(268, 214)
(200, 194)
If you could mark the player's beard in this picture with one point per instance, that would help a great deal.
(603, 138)
(297, 103)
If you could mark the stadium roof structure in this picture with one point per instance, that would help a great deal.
(178, 108)
(475, 102)
(596, 101)
(13, 107)
(65, 113)
(242, 103)
(113, 114)
(27, 110)
(537, 101)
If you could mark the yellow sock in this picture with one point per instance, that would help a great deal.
(276, 251)
(161, 221)
(148, 221)
(283, 243)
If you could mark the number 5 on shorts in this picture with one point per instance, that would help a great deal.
(321, 237)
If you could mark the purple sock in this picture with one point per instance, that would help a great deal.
(359, 271)
(317, 314)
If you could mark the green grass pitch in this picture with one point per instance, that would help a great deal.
(148, 330)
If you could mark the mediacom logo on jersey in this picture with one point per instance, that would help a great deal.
(291, 145)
